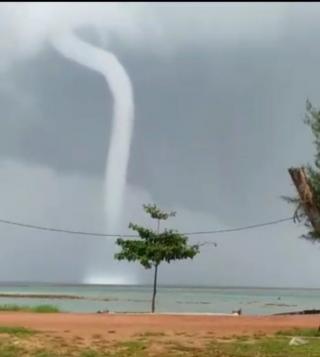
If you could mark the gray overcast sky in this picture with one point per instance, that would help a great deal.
(220, 93)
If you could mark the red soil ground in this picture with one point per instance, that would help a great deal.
(121, 326)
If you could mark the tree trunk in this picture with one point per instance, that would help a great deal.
(155, 277)
(306, 195)
(154, 288)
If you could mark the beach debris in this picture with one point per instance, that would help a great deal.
(106, 311)
(237, 312)
(297, 341)
(304, 312)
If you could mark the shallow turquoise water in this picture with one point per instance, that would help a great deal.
(169, 299)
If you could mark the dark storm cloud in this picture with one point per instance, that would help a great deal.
(209, 125)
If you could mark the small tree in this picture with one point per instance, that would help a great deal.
(155, 247)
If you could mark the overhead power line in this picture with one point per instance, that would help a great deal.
(93, 234)
(68, 231)
(243, 228)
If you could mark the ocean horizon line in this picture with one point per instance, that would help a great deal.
(147, 285)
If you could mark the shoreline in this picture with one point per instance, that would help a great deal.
(70, 297)
(45, 296)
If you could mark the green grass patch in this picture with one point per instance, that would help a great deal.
(306, 332)
(182, 348)
(45, 309)
(132, 348)
(37, 309)
(90, 353)
(44, 354)
(11, 307)
(10, 351)
(18, 331)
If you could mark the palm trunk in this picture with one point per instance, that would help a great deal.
(154, 288)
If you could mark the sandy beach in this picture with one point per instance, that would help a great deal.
(119, 326)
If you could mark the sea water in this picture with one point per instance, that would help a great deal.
(183, 299)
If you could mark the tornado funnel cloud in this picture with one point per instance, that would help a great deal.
(104, 62)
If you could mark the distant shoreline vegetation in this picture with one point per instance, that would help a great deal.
(51, 296)
(42, 296)
(63, 297)
(36, 309)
